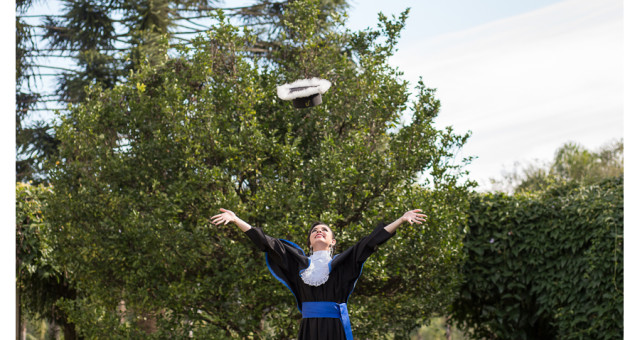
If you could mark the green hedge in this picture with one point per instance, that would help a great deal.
(546, 265)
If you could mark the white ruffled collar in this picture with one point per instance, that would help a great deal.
(318, 271)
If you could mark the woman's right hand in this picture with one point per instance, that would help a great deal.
(226, 217)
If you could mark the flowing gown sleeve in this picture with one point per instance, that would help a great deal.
(350, 262)
(285, 259)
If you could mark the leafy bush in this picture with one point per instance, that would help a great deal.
(546, 265)
(40, 281)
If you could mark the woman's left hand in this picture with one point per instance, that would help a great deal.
(413, 216)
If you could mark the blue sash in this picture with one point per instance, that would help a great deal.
(326, 309)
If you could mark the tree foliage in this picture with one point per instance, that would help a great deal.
(92, 42)
(145, 163)
(101, 42)
(572, 163)
(547, 265)
(33, 140)
(40, 281)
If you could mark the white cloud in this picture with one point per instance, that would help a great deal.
(529, 83)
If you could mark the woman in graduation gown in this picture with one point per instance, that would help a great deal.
(321, 283)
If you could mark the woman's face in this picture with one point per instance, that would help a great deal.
(321, 238)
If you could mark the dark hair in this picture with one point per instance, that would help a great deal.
(311, 230)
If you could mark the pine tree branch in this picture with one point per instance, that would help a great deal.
(178, 38)
(197, 24)
(51, 56)
(42, 109)
(46, 26)
(40, 15)
(192, 32)
(46, 101)
(78, 49)
(178, 17)
(191, 28)
(213, 9)
(55, 67)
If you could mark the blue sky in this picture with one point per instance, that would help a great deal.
(524, 77)
(431, 18)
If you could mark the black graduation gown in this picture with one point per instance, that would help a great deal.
(286, 261)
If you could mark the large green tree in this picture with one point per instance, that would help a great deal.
(101, 42)
(145, 163)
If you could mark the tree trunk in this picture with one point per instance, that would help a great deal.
(147, 323)
(54, 331)
(448, 323)
(122, 310)
(21, 329)
(17, 313)
(69, 331)
(21, 325)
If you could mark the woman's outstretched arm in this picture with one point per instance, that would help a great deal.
(229, 216)
(411, 216)
(352, 259)
(278, 253)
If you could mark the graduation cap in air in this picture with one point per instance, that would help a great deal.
(304, 92)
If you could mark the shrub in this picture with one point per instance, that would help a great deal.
(545, 265)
